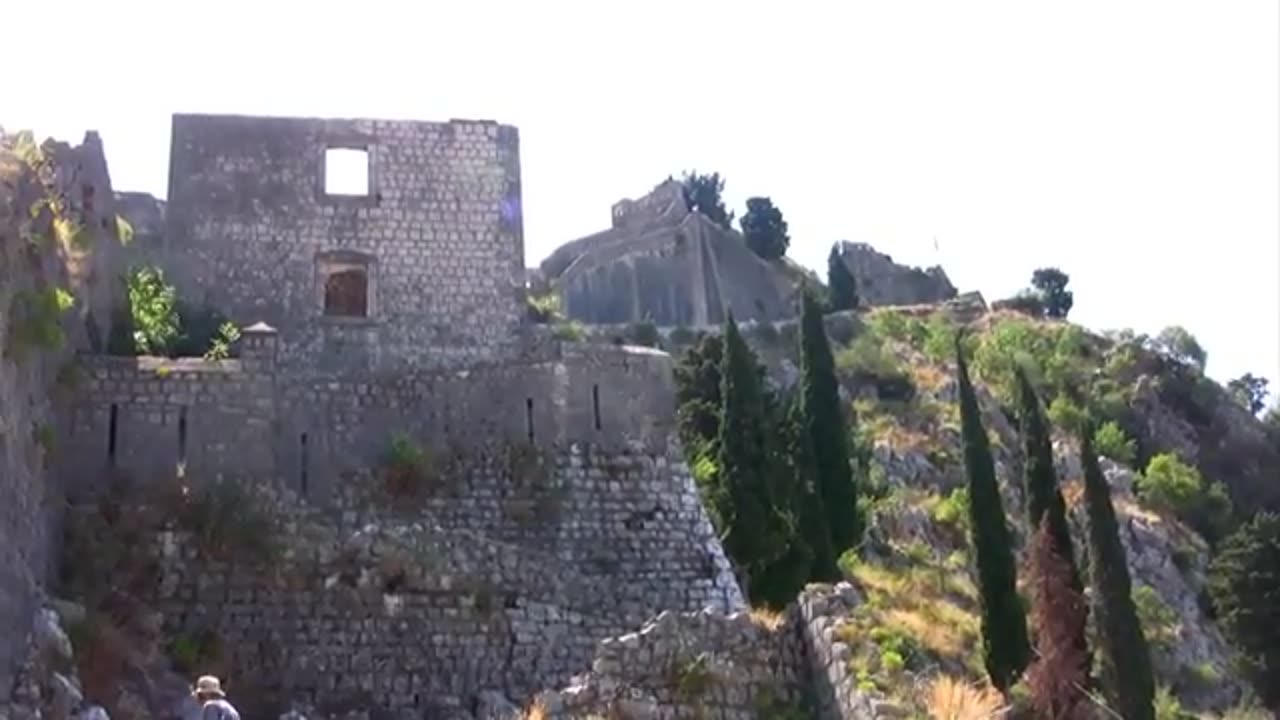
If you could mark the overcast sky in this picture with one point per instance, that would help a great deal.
(1133, 143)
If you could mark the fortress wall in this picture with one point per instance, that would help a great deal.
(439, 232)
(403, 616)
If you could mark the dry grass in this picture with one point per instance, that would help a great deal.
(949, 699)
(536, 711)
(929, 377)
(767, 619)
(931, 605)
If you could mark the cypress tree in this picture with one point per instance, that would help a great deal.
(1044, 500)
(802, 470)
(758, 531)
(844, 289)
(820, 395)
(1124, 646)
(1006, 648)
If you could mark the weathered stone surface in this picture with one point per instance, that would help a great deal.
(662, 263)
(40, 254)
(880, 281)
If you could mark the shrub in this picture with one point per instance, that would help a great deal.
(953, 510)
(1170, 484)
(153, 307)
(220, 345)
(1160, 623)
(406, 465)
(644, 333)
(1110, 441)
(543, 309)
(1065, 414)
(867, 358)
(228, 522)
(569, 331)
(1175, 487)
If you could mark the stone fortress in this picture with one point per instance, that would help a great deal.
(563, 514)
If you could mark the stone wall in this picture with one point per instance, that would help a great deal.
(662, 263)
(45, 250)
(881, 281)
(143, 416)
(438, 235)
(405, 608)
(705, 664)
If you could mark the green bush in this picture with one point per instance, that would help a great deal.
(953, 510)
(1170, 484)
(543, 309)
(644, 333)
(406, 465)
(153, 304)
(1110, 441)
(569, 331)
(867, 357)
(1065, 414)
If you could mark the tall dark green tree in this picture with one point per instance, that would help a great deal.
(1245, 586)
(1006, 646)
(764, 230)
(1126, 658)
(801, 466)
(759, 529)
(820, 406)
(1051, 286)
(1044, 499)
(843, 288)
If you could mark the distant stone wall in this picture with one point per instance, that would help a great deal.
(250, 229)
(37, 259)
(881, 281)
(690, 272)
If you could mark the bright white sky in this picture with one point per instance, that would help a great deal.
(1133, 143)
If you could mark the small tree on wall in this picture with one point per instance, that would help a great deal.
(702, 193)
(764, 229)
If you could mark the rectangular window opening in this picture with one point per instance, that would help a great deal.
(528, 417)
(302, 471)
(182, 435)
(346, 172)
(595, 403)
(111, 432)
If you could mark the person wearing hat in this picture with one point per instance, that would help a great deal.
(213, 702)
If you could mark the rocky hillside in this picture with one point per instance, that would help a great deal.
(1163, 420)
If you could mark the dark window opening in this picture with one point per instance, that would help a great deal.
(528, 417)
(346, 172)
(346, 293)
(111, 432)
(302, 463)
(182, 435)
(595, 403)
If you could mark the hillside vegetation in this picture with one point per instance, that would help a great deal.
(1185, 461)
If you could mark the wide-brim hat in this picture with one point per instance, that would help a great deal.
(208, 685)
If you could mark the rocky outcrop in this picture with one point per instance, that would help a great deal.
(881, 281)
(58, 252)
